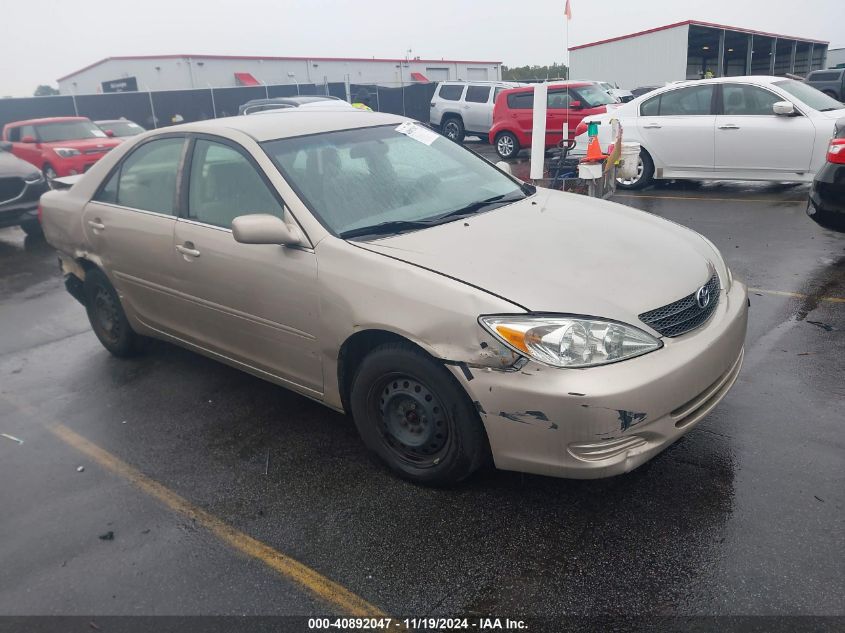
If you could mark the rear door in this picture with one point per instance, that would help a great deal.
(677, 128)
(478, 108)
(751, 140)
(129, 223)
(256, 304)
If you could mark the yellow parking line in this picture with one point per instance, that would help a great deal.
(770, 201)
(797, 295)
(323, 588)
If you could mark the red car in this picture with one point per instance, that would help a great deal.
(59, 146)
(513, 114)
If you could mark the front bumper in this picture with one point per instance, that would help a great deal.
(24, 207)
(73, 165)
(604, 421)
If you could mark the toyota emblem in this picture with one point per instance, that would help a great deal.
(702, 297)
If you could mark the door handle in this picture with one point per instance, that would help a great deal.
(728, 126)
(652, 126)
(97, 225)
(188, 249)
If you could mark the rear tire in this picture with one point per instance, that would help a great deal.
(32, 227)
(106, 315)
(453, 129)
(416, 417)
(645, 174)
(507, 145)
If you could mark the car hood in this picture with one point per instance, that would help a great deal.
(83, 144)
(11, 166)
(565, 253)
(834, 114)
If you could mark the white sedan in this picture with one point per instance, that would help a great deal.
(731, 128)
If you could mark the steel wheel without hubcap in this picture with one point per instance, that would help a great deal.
(107, 315)
(413, 423)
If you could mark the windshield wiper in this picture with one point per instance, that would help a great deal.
(475, 207)
(385, 228)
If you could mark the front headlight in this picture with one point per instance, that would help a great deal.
(34, 177)
(66, 152)
(563, 341)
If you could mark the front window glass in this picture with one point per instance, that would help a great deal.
(68, 131)
(593, 95)
(744, 100)
(809, 95)
(361, 178)
(224, 185)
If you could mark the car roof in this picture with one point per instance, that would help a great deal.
(480, 81)
(290, 100)
(53, 119)
(98, 121)
(290, 122)
(557, 84)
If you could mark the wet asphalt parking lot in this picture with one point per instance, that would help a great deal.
(214, 484)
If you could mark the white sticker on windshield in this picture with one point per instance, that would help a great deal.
(417, 132)
(98, 133)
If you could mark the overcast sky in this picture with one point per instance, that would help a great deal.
(46, 39)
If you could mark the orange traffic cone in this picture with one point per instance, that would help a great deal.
(594, 154)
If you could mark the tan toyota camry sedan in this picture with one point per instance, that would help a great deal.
(366, 262)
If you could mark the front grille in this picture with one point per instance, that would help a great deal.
(10, 188)
(685, 314)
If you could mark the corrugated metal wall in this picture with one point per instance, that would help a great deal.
(648, 59)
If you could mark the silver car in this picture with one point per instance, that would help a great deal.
(372, 265)
(460, 108)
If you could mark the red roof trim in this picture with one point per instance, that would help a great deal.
(270, 58)
(246, 79)
(697, 23)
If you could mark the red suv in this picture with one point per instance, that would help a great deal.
(513, 114)
(59, 146)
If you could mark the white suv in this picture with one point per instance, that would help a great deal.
(462, 108)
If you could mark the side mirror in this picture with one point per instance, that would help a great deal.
(575, 105)
(5, 146)
(263, 228)
(783, 108)
(109, 133)
(505, 167)
(28, 139)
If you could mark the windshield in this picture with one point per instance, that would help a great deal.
(594, 96)
(809, 95)
(122, 128)
(365, 177)
(68, 131)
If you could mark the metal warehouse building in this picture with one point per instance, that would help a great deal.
(178, 72)
(688, 50)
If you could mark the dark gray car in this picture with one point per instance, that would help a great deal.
(830, 81)
(21, 186)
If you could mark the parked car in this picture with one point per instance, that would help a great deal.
(638, 92)
(459, 108)
(830, 81)
(21, 185)
(730, 128)
(826, 205)
(513, 116)
(621, 95)
(444, 347)
(119, 128)
(278, 103)
(59, 146)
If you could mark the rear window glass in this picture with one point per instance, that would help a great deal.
(521, 100)
(687, 101)
(477, 94)
(824, 76)
(650, 107)
(451, 92)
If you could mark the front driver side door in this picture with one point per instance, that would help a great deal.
(254, 304)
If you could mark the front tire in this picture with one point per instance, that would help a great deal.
(507, 145)
(106, 315)
(453, 129)
(414, 415)
(645, 174)
(32, 227)
(49, 172)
